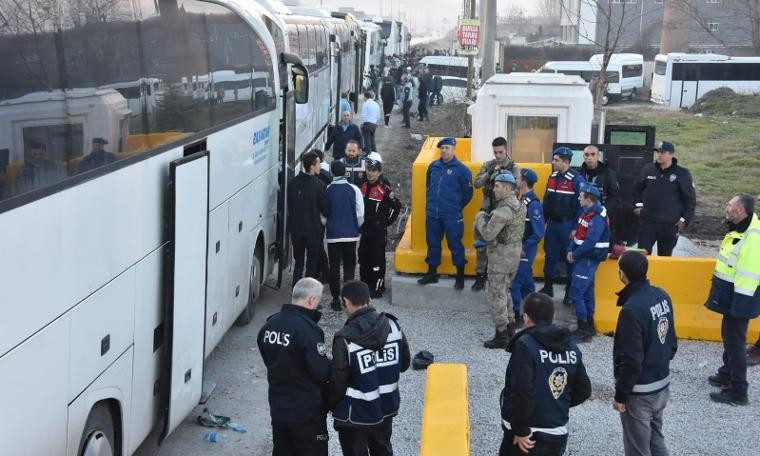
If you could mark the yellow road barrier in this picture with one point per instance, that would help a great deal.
(686, 280)
(446, 416)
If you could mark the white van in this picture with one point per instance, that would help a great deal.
(453, 72)
(630, 69)
(587, 71)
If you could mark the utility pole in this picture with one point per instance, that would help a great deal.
(488, 27)
(471, 58)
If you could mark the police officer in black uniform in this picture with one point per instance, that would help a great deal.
(665, 200)
(545, 377)
(381, 208)
(292, 346)
(645, 342)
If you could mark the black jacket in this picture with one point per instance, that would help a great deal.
(292, 346)
(381, 207)
(665, 195)
(307, 200)
(605, 179)
(522, 406)
(370, 329)
(645, 340)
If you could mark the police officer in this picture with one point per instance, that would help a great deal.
(99, 156)
(381, 208)
(292, 346)
(356, 171)
(734, 294)
(561, 211)
(605, 179)
(369, 354)
(484, 179)
(645, 342)
(502, 230)
(545, 377)
(586, 250)
(449, 189)
(665, 200)
(523, 283)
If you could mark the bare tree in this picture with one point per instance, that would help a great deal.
(742, 16)
(549, 10)
(613, 19)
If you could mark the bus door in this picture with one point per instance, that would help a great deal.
(689, 77)
(186, 287)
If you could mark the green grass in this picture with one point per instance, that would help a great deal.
(721, 151)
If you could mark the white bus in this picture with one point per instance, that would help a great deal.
(373, 49)
(680, 79)
(453, 72)
(630, 70)
(120, 277)
(588, 71)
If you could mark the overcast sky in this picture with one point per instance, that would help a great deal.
(419, 12)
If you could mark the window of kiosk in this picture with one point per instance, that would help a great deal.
(531, 138)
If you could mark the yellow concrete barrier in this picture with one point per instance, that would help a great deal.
(411, 251)
(446, 416)
(686, 280)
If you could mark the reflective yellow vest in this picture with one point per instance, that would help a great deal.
(737, 274)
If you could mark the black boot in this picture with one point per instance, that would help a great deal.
(566, 300)
(430, 277)
(500, 340)
(548, 288)
(459, 282)
(480, 282)
(584, 333)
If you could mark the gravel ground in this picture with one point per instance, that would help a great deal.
(693, 424)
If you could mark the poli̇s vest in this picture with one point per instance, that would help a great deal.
(372, 393)
(553, 376)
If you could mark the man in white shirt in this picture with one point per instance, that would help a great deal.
(370, 120)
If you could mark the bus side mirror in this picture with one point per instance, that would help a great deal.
(300, 83)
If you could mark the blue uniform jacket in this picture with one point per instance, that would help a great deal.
(449, 189)
(645, 341)
(561, 197)
(534, 221)
(592, 241)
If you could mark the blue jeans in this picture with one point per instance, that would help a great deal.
(555, 246)
(642, 424)
(523, 283)
(435, 228)
(582, 288)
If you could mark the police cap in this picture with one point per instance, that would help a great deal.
(99, 141)
(563, 151)
(529, 175)
(665, 146)
(591, 190)
(373, 165)
(447, 141)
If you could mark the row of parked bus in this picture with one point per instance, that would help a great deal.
(678, 79)
(145, 150)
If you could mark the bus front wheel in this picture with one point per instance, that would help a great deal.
(254, 286)
(98, 434)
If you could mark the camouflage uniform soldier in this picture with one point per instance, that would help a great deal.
(484, 180)
(502, 229)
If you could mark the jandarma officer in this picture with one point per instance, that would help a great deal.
(449, 189)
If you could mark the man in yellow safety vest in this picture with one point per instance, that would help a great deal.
(735, 294)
